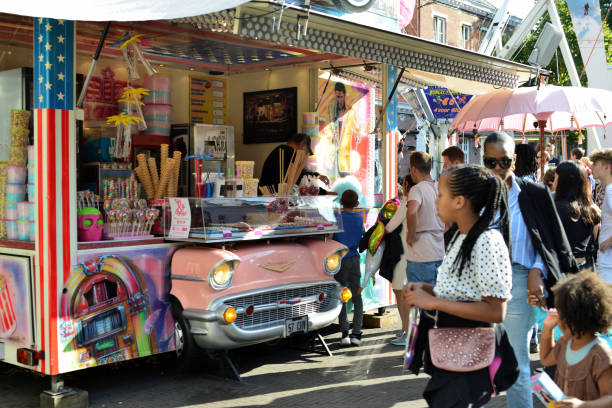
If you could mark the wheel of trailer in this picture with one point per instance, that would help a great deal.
(355, 6)
(188, 354)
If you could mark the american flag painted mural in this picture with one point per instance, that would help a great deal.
(392, 136)
(55, 146)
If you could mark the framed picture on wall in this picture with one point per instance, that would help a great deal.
(270, 116)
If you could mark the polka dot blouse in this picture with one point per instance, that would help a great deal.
(488, 274)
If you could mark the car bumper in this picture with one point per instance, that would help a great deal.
(271, 307)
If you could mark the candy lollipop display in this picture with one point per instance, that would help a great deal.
(129, 219)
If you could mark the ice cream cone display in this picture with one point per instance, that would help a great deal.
(8, 321)
(163, 150)
(145, 180)
(173, 184)
(167, 172)
(153, 172)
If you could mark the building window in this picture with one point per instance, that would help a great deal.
(440, 29)
(466, 35)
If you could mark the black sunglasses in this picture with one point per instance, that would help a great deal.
(491, 162)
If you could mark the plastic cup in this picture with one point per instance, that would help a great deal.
(31, 173)
(11, 230)
(16, 174)
(31, 154)
(32, 231)
(31, 193)
(11, 210)
(23, 230)
(15, 192)
(23, 210)
(19, 136)
(18, 155)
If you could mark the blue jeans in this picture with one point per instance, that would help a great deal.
(519, 321)
(422, 271)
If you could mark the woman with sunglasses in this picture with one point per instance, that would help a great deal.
(579, 215)
(539, 249)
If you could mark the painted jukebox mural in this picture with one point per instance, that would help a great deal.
(109, 312)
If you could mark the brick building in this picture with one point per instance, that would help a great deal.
(460, 23)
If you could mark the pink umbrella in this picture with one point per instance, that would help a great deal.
(548, 109)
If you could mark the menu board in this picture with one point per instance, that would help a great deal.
(207, 100)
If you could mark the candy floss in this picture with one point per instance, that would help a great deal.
(8, 321)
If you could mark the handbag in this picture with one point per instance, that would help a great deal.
(461, 349)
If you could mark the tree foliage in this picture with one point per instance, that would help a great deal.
(559, 73)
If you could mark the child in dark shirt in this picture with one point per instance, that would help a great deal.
(350, 272)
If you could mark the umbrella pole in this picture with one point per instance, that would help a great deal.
(542, 125)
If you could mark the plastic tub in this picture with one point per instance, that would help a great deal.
(244, 169)
(250, 187)
(157, 97)
(31, 211)
(31, 154)
(157, 113)
(15, 192)
(11, 210)
(31, 193)
(23, 210)
(11, 229)
(158, 82)
(31, 173)
(20, 118)
(32, 231)
(19, 136)
(18, 155)
(23, 230)
(157, 129)
(16, 174)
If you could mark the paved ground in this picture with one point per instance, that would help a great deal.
(366, 376)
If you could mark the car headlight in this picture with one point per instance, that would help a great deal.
(333, 261)
(221, 275)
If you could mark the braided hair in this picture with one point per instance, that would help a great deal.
(487, 195)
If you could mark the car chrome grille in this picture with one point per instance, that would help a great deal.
(267, 318)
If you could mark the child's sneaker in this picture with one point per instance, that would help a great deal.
(345, 340)
(400, 340)
(356, 339)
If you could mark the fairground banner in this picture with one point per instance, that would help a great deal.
(445, 104)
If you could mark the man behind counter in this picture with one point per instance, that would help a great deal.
(270, 173)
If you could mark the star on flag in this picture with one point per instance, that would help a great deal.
(54, 64)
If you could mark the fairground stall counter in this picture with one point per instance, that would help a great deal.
(258, 71)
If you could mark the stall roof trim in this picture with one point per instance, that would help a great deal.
(333, 35)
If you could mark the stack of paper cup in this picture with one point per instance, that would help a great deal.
(310, 124)
(158, 109)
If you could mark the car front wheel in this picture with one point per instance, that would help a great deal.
(188, 354)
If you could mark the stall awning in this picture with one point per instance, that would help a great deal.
(260, 20)
(116, 10)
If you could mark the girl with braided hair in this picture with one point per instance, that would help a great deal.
(474, 281)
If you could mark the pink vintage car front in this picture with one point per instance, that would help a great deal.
(232, 294)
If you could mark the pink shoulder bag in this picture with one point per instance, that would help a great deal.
(462, 349)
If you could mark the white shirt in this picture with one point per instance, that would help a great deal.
(605, 258)
(487, 274)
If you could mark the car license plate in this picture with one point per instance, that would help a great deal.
(296, 325)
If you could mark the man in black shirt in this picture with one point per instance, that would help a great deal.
(270, 173)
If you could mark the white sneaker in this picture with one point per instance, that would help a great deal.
(355, 341)
(399, 334)
(345, 341)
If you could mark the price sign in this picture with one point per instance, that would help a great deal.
(181, 218)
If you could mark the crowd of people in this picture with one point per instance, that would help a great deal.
(490, 251)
